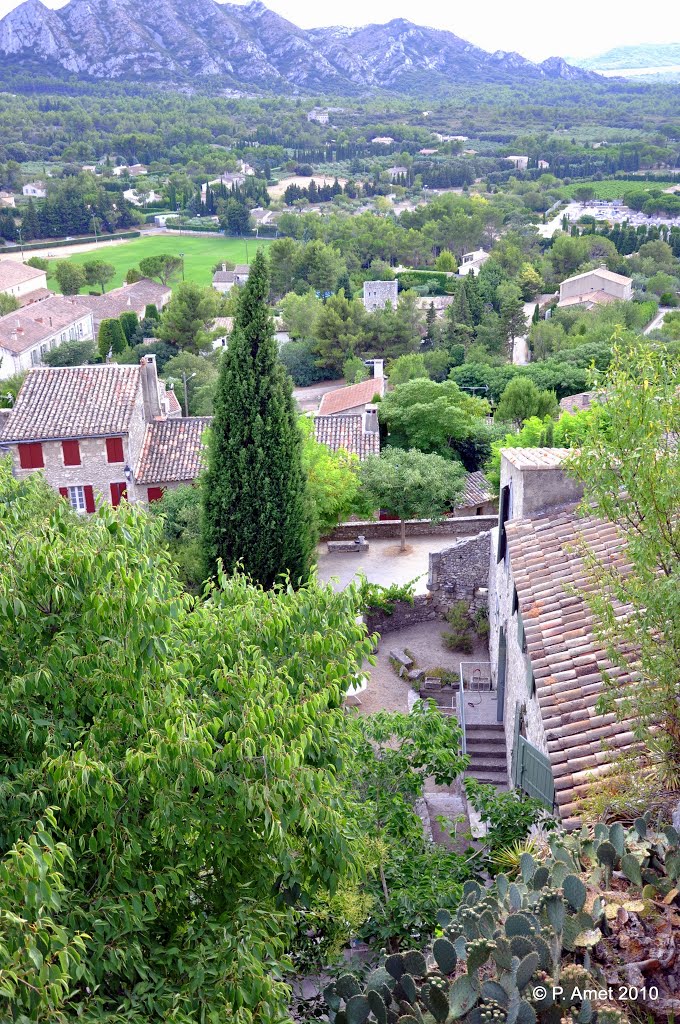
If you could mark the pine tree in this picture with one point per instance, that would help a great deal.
(255, 503)
(430, 324)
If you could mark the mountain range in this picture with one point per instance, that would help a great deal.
(250, 47)
(646, 60)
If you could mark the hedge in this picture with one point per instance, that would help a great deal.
(414, 278)
(81, 240)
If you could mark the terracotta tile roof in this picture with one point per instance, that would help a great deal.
(599, 298)
(174, 408)
(135, 297)
(476, 492)
(35, 296)
(578, 403)
(346, 432)
(535, 458)
(30, 325)
(338, 401)
(172, 451)
(13, 273)
(566, 656)
(602, 272)
(72, 402)
(224, 277)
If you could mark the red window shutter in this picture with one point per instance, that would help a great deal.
(118, 492)
(64, 492)
(155, 493)
(114, 449)
(89, 498)
(31, 456)
(71, 452)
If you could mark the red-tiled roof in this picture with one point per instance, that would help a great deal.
(577, 403)
(346, 432)
(477, 491)
(73, 401)
(135, 297)
(352, 396)
(33, 323)
(567, 658)
(172, 451)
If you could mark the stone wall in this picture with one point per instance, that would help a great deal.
(425, 608)
(461, 570)
(458, 526)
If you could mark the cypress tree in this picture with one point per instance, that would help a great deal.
(110, 338)
(255, 503)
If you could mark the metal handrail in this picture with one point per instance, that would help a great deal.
(461, 709)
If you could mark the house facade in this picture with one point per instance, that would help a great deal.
(595, 287)
(354, 399)
(377, 294)
(35, 329)
(357, 434)
(19, 280)
(224, 280)
(547, 662)
(35, 189)
(99, 433)
(472, 262)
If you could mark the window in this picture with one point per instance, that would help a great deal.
(31, 456)
(114, 449)
(521, 635)
(503, 516)
(515, 600)
(35, 357)
(80, 498)
(118, 492)
(71, 452)
(154, 493)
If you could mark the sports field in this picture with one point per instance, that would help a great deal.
(200, 255)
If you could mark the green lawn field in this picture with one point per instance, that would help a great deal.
(612, 188)
(200, 255)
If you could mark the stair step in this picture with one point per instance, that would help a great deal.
(491, 726)
(495, 777)
(485, 742)
(487, 762)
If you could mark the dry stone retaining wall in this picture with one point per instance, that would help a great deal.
(458, 526)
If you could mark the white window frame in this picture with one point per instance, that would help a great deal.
(76, 498)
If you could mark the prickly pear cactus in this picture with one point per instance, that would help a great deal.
(526, 952)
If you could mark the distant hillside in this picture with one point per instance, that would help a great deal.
(633, 61)
(248, 46)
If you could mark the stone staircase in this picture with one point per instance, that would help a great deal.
(487, 752)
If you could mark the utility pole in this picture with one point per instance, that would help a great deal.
(181, 256)
(21, 244)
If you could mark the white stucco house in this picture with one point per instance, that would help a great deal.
(472, 262)
(20, 280)
(595, 288)
(29, 333)
(35, 189)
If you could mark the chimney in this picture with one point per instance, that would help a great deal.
(149, 379)
(129, 301)
(371, 419)
(224, 267)
(378, 369)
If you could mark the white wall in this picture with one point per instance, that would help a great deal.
(26, 287)
(80, 330)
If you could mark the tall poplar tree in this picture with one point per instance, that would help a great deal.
(255, 501)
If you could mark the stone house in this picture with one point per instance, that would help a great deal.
(354, 399)
(547, 662)
(595, 287)
(129, 297)
(379, 293)
(29, 333)
(7, 199)
(20, 280)
(98, 433)
(35, 189)
(520, 163)
(478, 498)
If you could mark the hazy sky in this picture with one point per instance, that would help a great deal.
(535, 28)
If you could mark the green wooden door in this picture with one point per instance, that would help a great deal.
(533, 773)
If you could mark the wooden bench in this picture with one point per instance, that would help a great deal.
(348, 546)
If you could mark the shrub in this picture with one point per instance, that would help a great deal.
(459, 637)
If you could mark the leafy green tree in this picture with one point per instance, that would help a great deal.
(629, 463)
(408, 367)
(513, 320)
(521, 399)
(256, 505)
(38, 262)
(300, 362)
(437, 418)
(180, 510)
(184, 785)
(98, 272)
(71, 353)
(438, 363)
(201, 374)
(70, 277)
(8, 304)
(299, 313)
(446, 261)
(529, 281)
(354, 370)
(332, 480)
(186, 319)
(110, 338)
(163, 267)
(411, 485)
